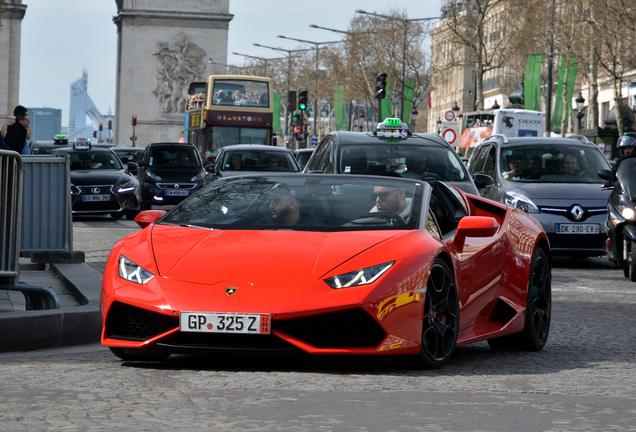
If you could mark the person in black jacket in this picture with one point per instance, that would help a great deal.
(626, 145)
(17, 133)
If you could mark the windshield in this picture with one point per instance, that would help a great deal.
(258, 160)
(308, 203)
(129, 155)
(174, 157)
(553, 164)
(420, 162)
(241, 93)
(87, 160)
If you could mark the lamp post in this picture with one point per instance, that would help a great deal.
(404, 21)
(317, 47)
(495, 106)
(580, 102)
(439, 126)
(289, 54)
(263, 59)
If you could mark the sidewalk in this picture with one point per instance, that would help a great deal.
(78, 321)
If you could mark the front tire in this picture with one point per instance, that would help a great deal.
(441, 318)
(631, 264)
(538, 310)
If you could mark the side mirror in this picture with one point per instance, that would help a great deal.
(132, 167)
(482, 180)
(141, 163)
(148, 217)
(605, 174)
(474, 226)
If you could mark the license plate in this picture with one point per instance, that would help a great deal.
(210, 322)
(95, 198)
(567, 228)
(177, 193)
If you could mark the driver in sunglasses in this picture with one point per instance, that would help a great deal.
(391, 200)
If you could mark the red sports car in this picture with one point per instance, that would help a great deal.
(328, 264)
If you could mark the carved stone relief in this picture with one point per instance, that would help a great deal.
(181, 62)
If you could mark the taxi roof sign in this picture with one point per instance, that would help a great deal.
(392, 129)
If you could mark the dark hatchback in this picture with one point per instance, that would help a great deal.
(100, 183)
(556, 181)
(168, 173)
(419, 156)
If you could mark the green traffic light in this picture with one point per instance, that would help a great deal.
(303, 106)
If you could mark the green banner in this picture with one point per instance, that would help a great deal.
(385, 104)
(276, 121)
(409, 92)
(557, 113)
(532, 84)
(340, 108)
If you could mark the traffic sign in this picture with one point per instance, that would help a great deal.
(450, 132)
(314, 142)
(449, 115)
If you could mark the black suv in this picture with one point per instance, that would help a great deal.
(168, 173)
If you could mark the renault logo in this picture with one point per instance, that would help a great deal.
(230, 290)
(577, 212)
(176, 186)
(95, 190)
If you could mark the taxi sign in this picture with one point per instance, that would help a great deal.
(392, 128)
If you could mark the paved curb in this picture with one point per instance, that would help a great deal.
(29, 330)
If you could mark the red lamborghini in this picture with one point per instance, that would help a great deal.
(328, 264)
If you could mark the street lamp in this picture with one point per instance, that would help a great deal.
(263, 59)
(495, 106)
(439, 126)
(289, 54)
(404, 21)
(317, 46)
(455, 108)
(580, 102)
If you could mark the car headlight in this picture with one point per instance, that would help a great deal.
(521, 202)
(198, 177)
(153, 176)
(359, 277)
(74, 189)
(132, 272)
(129, 186)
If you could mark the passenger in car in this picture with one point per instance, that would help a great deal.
(391, 200)
(534, 167)
(285, 208)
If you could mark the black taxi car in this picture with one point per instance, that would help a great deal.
(100, 183)
(169, 173)
(391, 150)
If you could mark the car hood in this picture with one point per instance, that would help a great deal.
(98, 177)
(176, 175)
(561, 194)
(261, 258)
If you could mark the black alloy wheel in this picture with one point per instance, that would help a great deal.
(538, 310)
(631, 263)
(441, 317)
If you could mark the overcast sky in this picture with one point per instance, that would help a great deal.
(61, 38)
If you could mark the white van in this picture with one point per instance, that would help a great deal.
(479, 125)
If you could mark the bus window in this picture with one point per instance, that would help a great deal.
(240, 93)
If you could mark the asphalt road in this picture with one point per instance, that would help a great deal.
(583, 380)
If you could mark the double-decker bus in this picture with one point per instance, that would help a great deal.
(229, 109)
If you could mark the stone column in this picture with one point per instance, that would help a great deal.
(10, 31)
(159, 51)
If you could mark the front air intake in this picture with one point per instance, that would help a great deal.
(132, 323)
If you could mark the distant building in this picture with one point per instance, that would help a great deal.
(81, 107)
(45, 123)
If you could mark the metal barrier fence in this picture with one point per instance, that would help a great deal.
(11, 177)
(11, 189)
(46, 192)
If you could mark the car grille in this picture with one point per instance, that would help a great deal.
(577, 241)
(184, 342)
(346, 329)
(132, 323)
(176, 185)
(94, 206)
(568, 212)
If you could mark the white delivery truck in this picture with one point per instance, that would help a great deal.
(479, 125)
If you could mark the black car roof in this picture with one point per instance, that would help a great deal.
(346, 137)
(127, 148)
(176, 144)
(69, 149)
(256, 147)
(519, 141)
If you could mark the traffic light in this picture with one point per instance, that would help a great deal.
(302, 99)
(94, 134)
(101, 127)
(110, 124)
(291, 100)
(134, 120)
(380, 86)
(296, 117)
